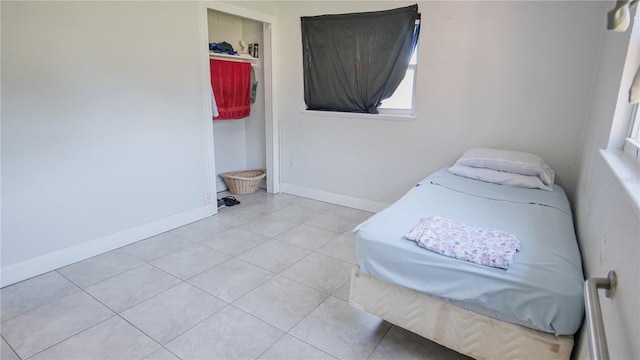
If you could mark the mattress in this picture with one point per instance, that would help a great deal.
(541, 290)
(464, 331)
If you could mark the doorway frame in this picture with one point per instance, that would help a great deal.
(272, 128)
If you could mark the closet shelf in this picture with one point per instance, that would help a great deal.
(251, 60)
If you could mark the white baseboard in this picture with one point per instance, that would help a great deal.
(338, 199)
(23, 270)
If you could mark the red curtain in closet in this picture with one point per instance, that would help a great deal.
(231, 83)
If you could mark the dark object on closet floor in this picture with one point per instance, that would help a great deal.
(220, 204)
(230, 201)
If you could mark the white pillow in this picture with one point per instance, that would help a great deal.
(509, 161)
(499, 177)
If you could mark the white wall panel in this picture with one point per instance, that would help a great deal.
(102, 120)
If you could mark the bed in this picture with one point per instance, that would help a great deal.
(530, 310)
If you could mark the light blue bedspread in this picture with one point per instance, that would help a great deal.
(543, 287)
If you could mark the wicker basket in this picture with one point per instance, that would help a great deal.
(243, 181)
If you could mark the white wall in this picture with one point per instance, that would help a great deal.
(608, 226)
(505, 74)
(255, 140)
(230, 148)
(262, 6)
(607, 220)
(103, 125)
(224, 27)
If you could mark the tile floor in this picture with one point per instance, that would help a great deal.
(266, 279)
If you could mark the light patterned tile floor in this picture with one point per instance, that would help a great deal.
(264, 279)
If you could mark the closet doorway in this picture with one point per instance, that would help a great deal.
(252, 142)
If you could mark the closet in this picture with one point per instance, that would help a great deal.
(239, 144)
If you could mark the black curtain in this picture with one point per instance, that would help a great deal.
(354, 61)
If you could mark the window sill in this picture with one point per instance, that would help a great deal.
(337, 114)
(627, 171)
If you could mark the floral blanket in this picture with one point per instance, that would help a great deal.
(465, 242)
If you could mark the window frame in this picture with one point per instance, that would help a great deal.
(405, 113)
(632, 142)
(398, 111)
(634, 126)
(413, 65)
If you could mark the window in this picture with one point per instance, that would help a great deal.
(352, 62)
(403, 99)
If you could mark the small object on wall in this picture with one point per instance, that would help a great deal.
(254, 50)
(619, 18)
(243, 48)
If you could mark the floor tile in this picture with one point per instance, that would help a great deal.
(316, 204)
(246, 199)
(235, 241)
(231, 279)
(290, 348)
(340, 220)
(111, 339)
(36, 330)
(350, 230)
(274, 255)
(402, 344)
(232, 305)
(280, 302)
(237, 215)
(158, 246)
(167, 315)
(190, 261)
(209, 227)
(342, 248)
(229, 334)
(32, 293)
(340, 330)
(299, 212)
(93, 270)
(319, 272)
(288, 197)
(192, 232)
(343, 291)
(132, 287)
(269, 225)
(270, 204)
(6, 352)
(161, 354)
(306, 236)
